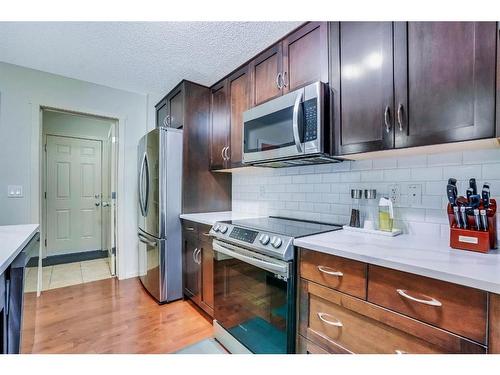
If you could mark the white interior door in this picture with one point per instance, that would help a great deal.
(74, 168)
(111, 199)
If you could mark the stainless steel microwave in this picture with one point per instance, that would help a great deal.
(289, 130)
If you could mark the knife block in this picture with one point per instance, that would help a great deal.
(474, 240)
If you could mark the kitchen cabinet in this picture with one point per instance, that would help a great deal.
(362, 82)
(414, 314)
(170, 110)
(408, 84)
(220, 127)
(305, 56)
(444, 82)
(299, 59)
(191, 267)
(239, 86)
(202, 190)
(198, 278)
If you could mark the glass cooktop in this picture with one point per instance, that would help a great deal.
(284, 226)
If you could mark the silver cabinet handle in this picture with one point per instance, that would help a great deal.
(278, 81)
(189, 228)
(194, 255)
(284, 79)
(430, 301)
(226, 153)
(330, 271)
(323, 316)
(222, 153)
(387, 119)
(400, 117)
(198, 256)
(397, 351)
(295, 122)
(206, 234)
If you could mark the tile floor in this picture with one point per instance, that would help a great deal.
(62, 275)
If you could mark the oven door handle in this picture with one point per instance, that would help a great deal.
(295, 121)
(268, 266)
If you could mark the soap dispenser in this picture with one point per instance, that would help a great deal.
(385, 214)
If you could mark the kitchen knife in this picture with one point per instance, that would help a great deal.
(485, 194)
(475, 201)
(477, 220)
(468, 193)
(464, 216)
(484, 219)
(457, 217)
(473, 185)
(451, 192)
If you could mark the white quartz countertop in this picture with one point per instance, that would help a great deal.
(13, 239)
(415, 254)
(209, 218)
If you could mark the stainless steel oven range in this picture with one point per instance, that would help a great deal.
(254, 282)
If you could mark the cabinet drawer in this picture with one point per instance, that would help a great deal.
(305, 346)
(343, 324)
(453, 307)
(348, 276)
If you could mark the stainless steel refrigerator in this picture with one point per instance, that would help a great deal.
(159, 232)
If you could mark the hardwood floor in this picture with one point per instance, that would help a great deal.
(110, 316)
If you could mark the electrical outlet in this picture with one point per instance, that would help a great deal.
(394, 193)
(15, 191)
(415, 194)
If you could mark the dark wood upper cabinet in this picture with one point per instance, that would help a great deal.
(305, 56)
(362, 85)
(239, 86)
(176, 105)
(162, 113)
(445, 81)
(219, 118)
(265, 69)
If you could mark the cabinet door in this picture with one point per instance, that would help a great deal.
(265, 69)
(445, 81)
(207, 264)
(219, 139)
(239, 85)
(176, 106)
(305, 56)
(191, 268)
(362, 75)
(161, 114)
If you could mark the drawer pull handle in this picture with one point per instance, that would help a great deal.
(206, 234)
(189, 228)
(397, 351)
(336, 323)
(330, 271)
(431, 301)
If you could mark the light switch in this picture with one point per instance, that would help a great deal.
(15, 191)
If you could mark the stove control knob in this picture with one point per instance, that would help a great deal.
(276, 242)
(223, 229)
(264, 239)
(216, 227)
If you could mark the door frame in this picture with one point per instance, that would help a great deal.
(37, 178)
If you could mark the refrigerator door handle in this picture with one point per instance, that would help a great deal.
(146, 197)
(141, 179)
(143, 239)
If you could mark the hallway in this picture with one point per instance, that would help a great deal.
(111, 316)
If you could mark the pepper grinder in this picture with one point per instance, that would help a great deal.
(356, 194)
(370, 196)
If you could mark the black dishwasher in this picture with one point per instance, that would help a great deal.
(16, 295)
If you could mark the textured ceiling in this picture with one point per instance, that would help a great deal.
(145, 57)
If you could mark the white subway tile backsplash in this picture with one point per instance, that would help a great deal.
(322, 192)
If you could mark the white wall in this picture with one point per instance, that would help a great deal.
(322, 192)
(22, 91)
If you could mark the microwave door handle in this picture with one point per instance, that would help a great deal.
(295, 122)
(268, 266)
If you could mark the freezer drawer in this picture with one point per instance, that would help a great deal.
(160, 267)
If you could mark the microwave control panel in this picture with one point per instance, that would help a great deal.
(310, 120)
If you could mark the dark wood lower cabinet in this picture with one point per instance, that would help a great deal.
(198, 279)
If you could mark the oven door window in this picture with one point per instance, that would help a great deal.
(252, 305)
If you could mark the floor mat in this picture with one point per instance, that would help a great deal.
(260, 336)
(207, 346)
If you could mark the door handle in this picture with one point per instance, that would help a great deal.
(226, 152)
(400, 117)
(141, 177)
(387, 119)
(284, 79)
(295, 123)
(278, 81)
(97, 204)
(105, 204)
(194, 255)
(222, 153)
